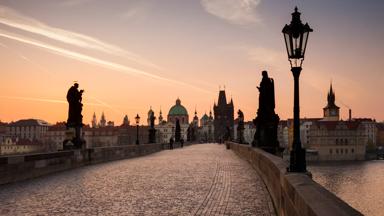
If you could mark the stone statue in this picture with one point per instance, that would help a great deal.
(74, 98)
(240, 127)
(152, 130)
(75, 118)
(267, 120)
(177, 131)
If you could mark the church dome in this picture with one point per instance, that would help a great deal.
(178, 109)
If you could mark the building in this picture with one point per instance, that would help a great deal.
(31, 129)
(179, 112)
(380, 134)
(15, 145)
(94, 121)
(55, 135)
(166, 129)
(338, 140)
(330, 138)
(206, 128)
(103, 120)
(3, 131)
(283, 134)
(224, 117)
(331, 111)
(248, 133)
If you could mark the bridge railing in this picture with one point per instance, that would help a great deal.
(21, 167)
(293, 194)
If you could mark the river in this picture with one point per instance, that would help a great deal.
(360, 184)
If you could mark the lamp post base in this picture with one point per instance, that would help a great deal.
(297, 161)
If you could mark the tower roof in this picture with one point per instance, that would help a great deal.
(222, 98)
(331, 98)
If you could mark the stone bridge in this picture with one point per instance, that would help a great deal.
(195, 180)
(203, 179)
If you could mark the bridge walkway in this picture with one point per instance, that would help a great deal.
(201, 179)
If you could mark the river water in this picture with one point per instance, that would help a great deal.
(360, 184)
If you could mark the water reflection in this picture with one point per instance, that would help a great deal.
(360, 184)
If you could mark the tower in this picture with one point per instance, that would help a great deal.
(160, 117)
(224, 118)
(103, 121)
(195, 121)
(331, 111)
(94, 121)
(126, 121)
(150, 112)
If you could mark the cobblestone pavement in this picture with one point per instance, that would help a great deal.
(201, 179)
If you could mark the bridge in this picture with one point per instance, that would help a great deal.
(203, 179)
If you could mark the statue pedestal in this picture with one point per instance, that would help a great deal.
(152, 135)
(73, 139)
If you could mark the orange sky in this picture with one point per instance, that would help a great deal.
(131, 55)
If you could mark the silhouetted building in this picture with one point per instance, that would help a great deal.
(103, 121)
(126, 121)
(224, 117)
(94, 120)
(150, 112)
(331, 111)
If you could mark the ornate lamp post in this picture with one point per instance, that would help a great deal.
(137, 118)
(296, 37)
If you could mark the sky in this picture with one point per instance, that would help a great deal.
(130, 55)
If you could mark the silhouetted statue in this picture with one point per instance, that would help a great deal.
(75, 118)
(240, 127)
(177, 131)
(152, 130)
(267, 120)
(181, 142)
(74, 98)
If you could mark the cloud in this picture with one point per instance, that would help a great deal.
(240, 12)
(72, 3)
(14, 19)
(138, 10)
(92, 60)
(47, 100)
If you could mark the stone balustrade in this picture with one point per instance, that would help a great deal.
(293, 194)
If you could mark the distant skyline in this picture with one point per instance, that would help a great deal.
(130, 55)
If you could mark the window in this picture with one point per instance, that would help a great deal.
(341, 151)
(353, 150)
(330, 151)
(337, 151)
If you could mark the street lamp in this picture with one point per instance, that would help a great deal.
(296, 37)
(137, 118)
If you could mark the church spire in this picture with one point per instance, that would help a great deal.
(160, 116)
(94, 120)
(331, 96)
(103, 121)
